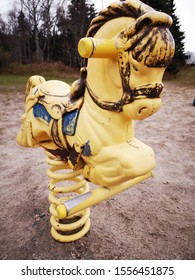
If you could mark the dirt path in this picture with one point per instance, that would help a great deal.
(153, 220)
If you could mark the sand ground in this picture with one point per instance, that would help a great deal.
(152, 220)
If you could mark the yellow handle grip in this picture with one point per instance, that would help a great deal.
(81, 202)
(97, 48)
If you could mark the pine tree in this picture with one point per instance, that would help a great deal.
(168, 6)
(80, 14)
(4, 44)
(46, 30)
(23, 31)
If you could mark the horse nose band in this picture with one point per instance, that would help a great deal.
(148, 91)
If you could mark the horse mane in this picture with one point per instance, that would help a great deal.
(124, 8)
(144, 35)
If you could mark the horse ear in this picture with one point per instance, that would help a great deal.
(154, 18)
(150, 19)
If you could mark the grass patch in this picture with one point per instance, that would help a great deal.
(10, 83)
(18, 74)
(15, 76)
(10, 79)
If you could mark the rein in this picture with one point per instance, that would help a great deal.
(142, 92)
(105, 105)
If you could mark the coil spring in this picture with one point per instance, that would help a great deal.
(63, 182)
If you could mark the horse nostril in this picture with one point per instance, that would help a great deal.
(140, 110)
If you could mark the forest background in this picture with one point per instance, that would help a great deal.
(48, 31)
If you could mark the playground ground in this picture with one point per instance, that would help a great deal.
(152, 220)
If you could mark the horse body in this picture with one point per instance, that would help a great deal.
(118, 90)
(117, 156)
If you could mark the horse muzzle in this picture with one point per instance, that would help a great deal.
(146, 101)
(142, 108)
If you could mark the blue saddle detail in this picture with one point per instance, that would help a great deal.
(69, 122)
(40, 112)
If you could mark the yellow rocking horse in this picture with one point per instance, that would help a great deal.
(88, 127)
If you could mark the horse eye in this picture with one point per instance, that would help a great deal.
(135, 68)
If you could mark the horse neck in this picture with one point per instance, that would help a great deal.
(103, 73)
(104, 80)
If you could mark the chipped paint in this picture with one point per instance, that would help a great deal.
(87, 149)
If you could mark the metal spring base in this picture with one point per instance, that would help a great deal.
(63, 182)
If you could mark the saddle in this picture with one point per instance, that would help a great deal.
(56, 104)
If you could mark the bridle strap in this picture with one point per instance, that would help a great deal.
(127, 97)
(105, 105)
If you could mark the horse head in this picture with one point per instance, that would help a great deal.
(134, 46)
